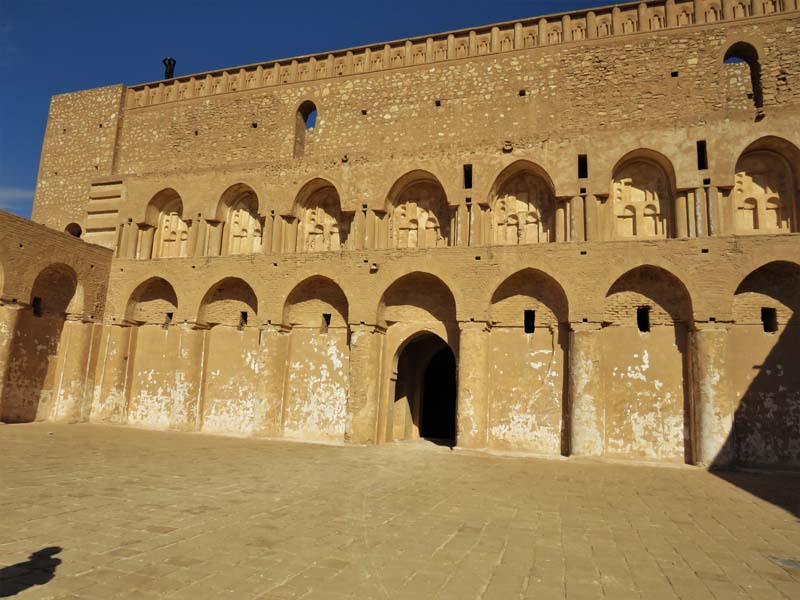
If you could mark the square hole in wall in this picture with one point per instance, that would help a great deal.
(438, 103)
(583, 166)
(702, 155)
(769, 319)
(643, 318)
(529, 321)
(364, 112)
(706, 181)
(674, 74)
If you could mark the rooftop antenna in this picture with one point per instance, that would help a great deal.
(169, 67)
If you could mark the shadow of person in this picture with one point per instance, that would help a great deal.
(37, 570)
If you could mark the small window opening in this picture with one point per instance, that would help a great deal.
(254, 125)
(305, 119)
(364, 112)
(196, 132)
(169, 318)
(674, 74)
(743, 52)
(467, 177)
(36, 305)
(326, 322)
(523, 93)
(583, 166)
(530, 321)
(704, 251)
(702, 155)
(583, 191)
(707, 181)
(643, 318)
(243, 318)
(438, 103)
(769, 318)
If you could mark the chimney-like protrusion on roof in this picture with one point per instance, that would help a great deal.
(169, 67)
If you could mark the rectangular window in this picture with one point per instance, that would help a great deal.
(769, 318)
(467, 177)
(643, 318)
(583, 166)
(530, 321)
(36, 305)
(243, 318)
(702, 155)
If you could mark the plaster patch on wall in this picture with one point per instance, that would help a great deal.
(317, 385)
(526, 397)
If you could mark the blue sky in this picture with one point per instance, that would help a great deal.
(50, 47)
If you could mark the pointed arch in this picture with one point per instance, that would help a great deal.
(153, 301)
(230, 302)
(419, 214)
(321, 223)
(56, 291)
(739, 52)
(165, 215)
(645, 366)
(765, 194)
(237, 214)
(763, 344)
(417, 297)
(523, 205)
(643, 195)
(312, 299)
(529, 289)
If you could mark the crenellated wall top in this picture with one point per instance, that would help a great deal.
(549, 30)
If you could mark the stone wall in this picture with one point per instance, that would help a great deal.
(277, 279)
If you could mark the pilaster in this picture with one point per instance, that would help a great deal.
(585, 391)
(473, 398)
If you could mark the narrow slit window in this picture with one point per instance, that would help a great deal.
(326, 322)
(467, 177)
(530, 321)
(702, 155)
(243, 318)
(643, 318)
(769, 318)
(583, 166)
(36, 305)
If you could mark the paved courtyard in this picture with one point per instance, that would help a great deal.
(102, 512)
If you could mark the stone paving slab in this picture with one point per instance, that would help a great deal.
(150, 515)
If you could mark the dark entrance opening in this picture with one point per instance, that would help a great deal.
(425, 392)
(439, 398)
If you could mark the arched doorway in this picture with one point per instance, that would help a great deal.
(425, 392)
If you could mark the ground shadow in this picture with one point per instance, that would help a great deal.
(39, 569)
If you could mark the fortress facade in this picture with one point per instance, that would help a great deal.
(571, 235)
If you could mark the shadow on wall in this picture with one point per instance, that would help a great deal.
(763, 361)
(39, 569)
(29, 384)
